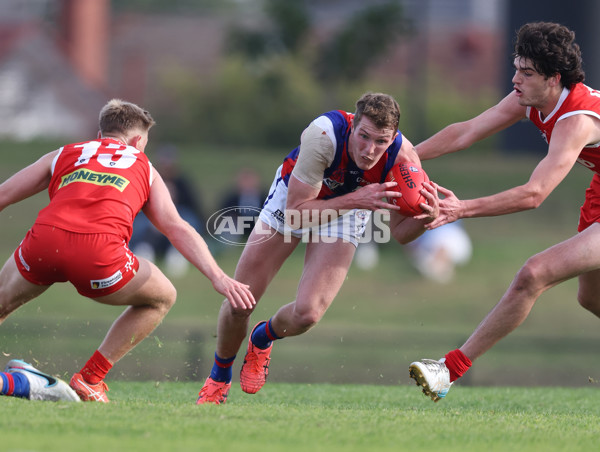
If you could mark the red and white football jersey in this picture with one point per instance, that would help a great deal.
(581, 100)
(97, 187)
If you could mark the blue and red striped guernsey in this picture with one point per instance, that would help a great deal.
(343, 176)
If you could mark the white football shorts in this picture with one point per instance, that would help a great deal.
(350, 227)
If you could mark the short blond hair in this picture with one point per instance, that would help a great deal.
(380, 108)
(119, 116)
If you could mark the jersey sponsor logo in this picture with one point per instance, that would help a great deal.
(362, 181)
(106, 282)
(94, 177)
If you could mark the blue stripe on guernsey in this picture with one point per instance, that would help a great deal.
(342, 126)
(221, 370)
(343, 176)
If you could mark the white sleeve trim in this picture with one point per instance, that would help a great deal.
(55, 159)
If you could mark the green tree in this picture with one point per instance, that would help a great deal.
(362, 40)
(274, 80)
(288, 24)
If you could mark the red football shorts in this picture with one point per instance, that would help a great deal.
(96, 264)
(590, 211)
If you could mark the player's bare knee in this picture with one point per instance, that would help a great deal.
(531, 277)
(239, 313)
(171, 297)
(167, 299)
(305, 320)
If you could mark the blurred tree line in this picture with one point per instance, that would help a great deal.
(274, 80)
(275, 76)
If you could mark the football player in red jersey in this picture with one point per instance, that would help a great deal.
(322, 194)
(96, 189)
(549, 91)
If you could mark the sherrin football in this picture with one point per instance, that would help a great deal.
(410, 179)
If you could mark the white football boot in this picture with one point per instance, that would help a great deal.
(433, 376)
(41, 385)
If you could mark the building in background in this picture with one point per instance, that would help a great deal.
(43, 93)
(582, 17)
(61, 59)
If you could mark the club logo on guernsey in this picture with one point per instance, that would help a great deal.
(94, 177)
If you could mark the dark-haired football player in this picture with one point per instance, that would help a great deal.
(549, 91)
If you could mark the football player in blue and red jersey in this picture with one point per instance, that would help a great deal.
(323, 195)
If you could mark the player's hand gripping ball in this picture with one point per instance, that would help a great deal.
(410, 180)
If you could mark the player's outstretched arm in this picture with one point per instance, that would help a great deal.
(462, 135)
(27, 182)
(569, 137)
(161, 211)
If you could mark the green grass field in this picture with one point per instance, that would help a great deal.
(302, 417)
(381, 320)
(344, 385)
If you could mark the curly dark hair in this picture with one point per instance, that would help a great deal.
(552, 49)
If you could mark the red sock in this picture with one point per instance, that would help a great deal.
(457, 363)
(96, 368)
